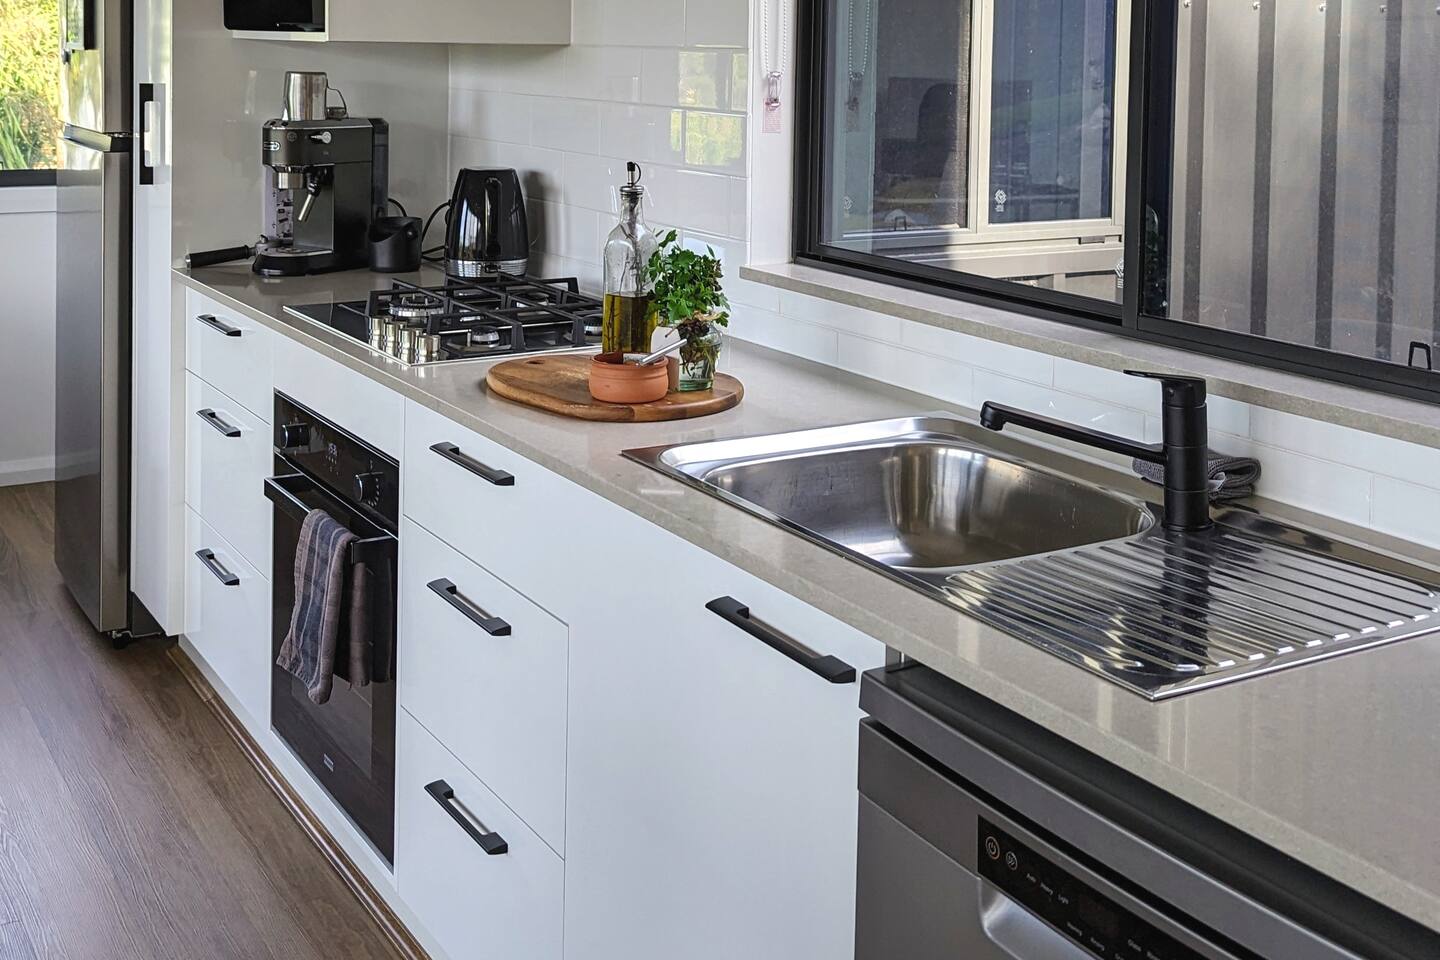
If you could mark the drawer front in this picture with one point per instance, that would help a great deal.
(230, 351)
(475, 905)
(485, 671)
(228, 457)
(508, 523)
(227, 617)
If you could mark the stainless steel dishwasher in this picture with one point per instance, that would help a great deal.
(986, 837)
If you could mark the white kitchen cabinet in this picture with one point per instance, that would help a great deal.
(230, 457)
(227, 619)
(479, 901)
(485, 671)
(712, 780)
(230, 351)
(510, 524)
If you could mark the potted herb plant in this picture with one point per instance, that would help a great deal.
(686, 295)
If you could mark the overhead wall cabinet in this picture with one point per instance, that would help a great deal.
(424, 21)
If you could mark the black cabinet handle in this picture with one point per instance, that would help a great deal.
(831, 668)
(452, 453)
(216, 421)
(491, 843)
(451, 594)
(215, 323)
(207, 557)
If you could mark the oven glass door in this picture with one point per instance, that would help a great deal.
(348, 742)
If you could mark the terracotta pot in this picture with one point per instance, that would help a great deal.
(615, 382)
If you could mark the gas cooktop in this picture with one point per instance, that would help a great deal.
(469, 319)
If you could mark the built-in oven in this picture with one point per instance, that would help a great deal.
(348, 742)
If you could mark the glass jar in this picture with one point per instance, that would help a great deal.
(699, 356)
(629, 322)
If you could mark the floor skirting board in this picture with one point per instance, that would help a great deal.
(30, 470)
(394, 929)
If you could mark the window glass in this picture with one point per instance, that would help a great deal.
(1302, 197)
(1051, 110)
(29, 84)
(976, 136)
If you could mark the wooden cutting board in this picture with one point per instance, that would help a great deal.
(560, 383)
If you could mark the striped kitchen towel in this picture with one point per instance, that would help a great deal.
(321, 557)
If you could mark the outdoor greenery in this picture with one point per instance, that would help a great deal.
(29, 83)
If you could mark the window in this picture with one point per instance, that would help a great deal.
(1272, 165)
(978, 136)
(29, 86)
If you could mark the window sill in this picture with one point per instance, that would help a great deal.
(1412, 421)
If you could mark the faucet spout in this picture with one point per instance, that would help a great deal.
(1184, 452)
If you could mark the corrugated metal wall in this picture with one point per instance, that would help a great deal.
(1305, 184)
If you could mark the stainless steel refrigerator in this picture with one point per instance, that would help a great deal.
(93, 310)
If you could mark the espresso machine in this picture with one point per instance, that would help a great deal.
(326, 181)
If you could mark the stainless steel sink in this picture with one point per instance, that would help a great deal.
(913, 496)
(1063, 563)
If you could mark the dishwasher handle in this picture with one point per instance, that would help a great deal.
(1020, 933)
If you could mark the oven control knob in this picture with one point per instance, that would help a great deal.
(367, 487)
(294, 435)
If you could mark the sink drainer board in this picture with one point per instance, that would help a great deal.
(1075, 568)
(1166, 613)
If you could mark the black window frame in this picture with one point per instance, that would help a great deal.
(1147, 180)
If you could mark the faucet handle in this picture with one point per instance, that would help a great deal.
(1178, 390)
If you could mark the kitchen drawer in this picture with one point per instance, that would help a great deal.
(492, 691)
(493, 505)
(227, 617)
(475, 905)
(230, 351)
(227, 458)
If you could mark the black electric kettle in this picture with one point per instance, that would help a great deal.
(486, 229)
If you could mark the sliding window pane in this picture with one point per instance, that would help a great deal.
(974, 137)
(1052, 110)
(1302, 198)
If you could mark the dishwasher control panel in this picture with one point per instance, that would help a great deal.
(1069, 905)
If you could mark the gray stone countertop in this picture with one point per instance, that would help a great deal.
(1333, 763)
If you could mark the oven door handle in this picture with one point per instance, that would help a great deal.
(281, 492)
(491, 842)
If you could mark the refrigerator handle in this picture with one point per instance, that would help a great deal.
(146, 100)
(97, 141)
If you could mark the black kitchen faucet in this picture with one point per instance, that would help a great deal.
(1184, 452)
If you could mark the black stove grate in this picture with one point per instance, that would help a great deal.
(474, 319)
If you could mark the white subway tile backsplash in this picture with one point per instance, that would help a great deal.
(1369, 451)
(483, 115)
(604, 73)
(643, 23)
(560, 124)
(986, 354)
(839, 316)
(937, 377)
(644, 133)
(781, 333)
(1407, 510)
(716, 23)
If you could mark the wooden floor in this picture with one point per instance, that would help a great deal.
(131, 825)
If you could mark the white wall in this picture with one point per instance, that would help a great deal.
(27, 332)
(661, 82)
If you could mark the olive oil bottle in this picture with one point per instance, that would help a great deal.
(628, 320)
